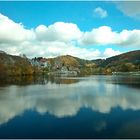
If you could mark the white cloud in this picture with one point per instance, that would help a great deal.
(101, 35)
(59, 31)
(129, 38)
(129, 8)
(62, 38)
(11, 32)
(100, 12)
(110, 52)
(104, 35)
(53, 49)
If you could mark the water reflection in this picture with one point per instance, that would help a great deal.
(31, 80)
(130, 130)
(131, 81)
(64, 97)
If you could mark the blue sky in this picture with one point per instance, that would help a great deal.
(86, 15)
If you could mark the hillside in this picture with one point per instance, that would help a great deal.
(14, 65)
(69, 60)
(125, 62)
(17, 65)
(129, 57)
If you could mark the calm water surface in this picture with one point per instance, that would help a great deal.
(74, 107)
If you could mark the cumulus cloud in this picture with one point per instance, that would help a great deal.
(110, 52)
(100, 12)
(52, 49)
(62, 38)
(104, 35)
(11, 32)
(101, 35)
(129, 38)
(59, 31)
(129, 8)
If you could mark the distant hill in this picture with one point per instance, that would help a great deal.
(129, 57)
(17, 65)
(69, 60)
(14, 65)
(125, 62)
(7, 59)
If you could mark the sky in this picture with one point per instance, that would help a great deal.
(85, 29)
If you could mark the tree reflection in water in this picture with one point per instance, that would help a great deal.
(27, 80)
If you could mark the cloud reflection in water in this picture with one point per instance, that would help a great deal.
(66, 99)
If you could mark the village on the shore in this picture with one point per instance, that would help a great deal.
(124, 64)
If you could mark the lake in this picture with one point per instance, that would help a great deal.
(70, 107)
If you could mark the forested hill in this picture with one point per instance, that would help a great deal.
(129, 57)
(125, 62)
(69, 60)
(17, 65)
(14, 65)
